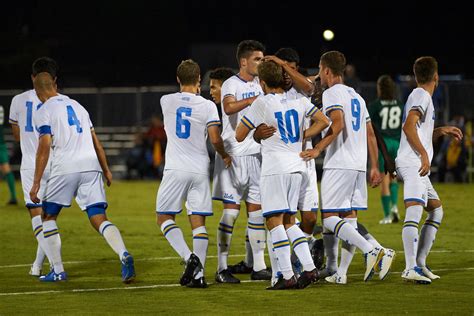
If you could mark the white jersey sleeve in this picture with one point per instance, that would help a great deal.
(310, 108)
(255, 115)
(14, 113)
(213, 115)
(331, 101)
(42, 121)
(420, 102)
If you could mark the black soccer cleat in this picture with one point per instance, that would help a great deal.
(240, 268)
(12, 202)
(264, 275)
(283, 284)
(306, 278)
(197, 283)
(191, 268)
(317, 253)
(226, 277)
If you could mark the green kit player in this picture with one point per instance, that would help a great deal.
(5, 170)
(386, 114)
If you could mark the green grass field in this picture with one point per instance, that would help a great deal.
(94, 285)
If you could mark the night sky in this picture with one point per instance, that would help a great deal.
(133, 43)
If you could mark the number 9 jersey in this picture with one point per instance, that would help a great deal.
(349, 149)
(69, 125)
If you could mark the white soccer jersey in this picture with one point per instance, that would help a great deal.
(70, 126)
(349, 149)
(239, 89)
(419, 100)
(22, 110)
(292, 94)
(281, 152)
(186, 118)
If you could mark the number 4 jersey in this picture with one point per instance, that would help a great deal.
(349, 149)
(70, 127)
(186, 117)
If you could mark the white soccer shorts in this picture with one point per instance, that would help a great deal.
(178, 186)
(281, 192)
(343, 190)
(416, 188)
(309, 196)
(27, 177)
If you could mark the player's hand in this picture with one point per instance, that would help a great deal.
(452, 131)
(108, 177)
(425, 165)
(375, 177)
(263, 131)
(390, 167)
(317, 97)
(310, 154)
(275, 59)
(34, 193)
(227, 161)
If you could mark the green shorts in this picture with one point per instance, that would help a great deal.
(3, 154)
(392, 148)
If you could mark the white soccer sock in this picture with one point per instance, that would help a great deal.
(224, 237)
(256, 232)
(248, 250)
(300, 246)
(410, 234)
(347, 232)
(272, 255)
(310, 239)
(372, 240)
(428, 235)
(113, 237)
(175, 237)
(53, 240)
(37, 225)
(281, 246)
(347, 251)
(200, 244)
(331, 247)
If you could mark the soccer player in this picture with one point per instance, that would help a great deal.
(413, 166)
(5, 169)
(217, 78)
(188, 117)
(23, 109)
(343, 184)
(284, 176)
(240, 182)
(386, 116)
(78, 163)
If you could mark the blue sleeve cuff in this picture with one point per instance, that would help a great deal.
(45, 129)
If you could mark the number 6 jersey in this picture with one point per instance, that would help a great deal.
(349, 149)
(70, 127)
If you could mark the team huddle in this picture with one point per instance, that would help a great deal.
(264, 157)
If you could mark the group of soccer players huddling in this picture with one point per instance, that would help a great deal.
(264, 157)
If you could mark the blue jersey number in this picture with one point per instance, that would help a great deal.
(183, 126)
(355, 107)
(29, 117)
(72, 119)
(289, 129)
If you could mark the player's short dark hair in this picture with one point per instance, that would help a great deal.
(271, 73)
(424, 69)
(387, 87)
(335, 61)
(221, 74)
(247, 47)
(45, 64)
(288, 54)
(188, 72)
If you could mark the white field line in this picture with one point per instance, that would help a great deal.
(145, 287)
(177, 258)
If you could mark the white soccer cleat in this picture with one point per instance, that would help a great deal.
(35, 271)
(336, 279)
(386, 263)
(386, 220)
(415, 275)
(325, 273)
(372, 259)
(394, 214)
(427, 271)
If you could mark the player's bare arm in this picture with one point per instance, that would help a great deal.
(102, 158)
(300, 82)
(375, 177)
(320, 122)
(42, 156)
(231, 106)
(218, 144)
(241, 132)
(337, 119)
(452, 131)
(409, 128)
(16, 132)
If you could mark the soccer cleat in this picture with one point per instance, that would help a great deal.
(191, 268)
(427, 271)
(35, 271)
(306, 278)
(12, 202)
(226, 277)
(283, 284)
(317, 253)
(275, 278)
(264, 274)
(128, 268)
(336, 279)
(386, 220)
(53, 277)
(240, 268)
(323, 273)
(395, 214)
(415, 275)
(197, 283)
(372, 259)
(386, 262)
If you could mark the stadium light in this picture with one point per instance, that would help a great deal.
(328, 35)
